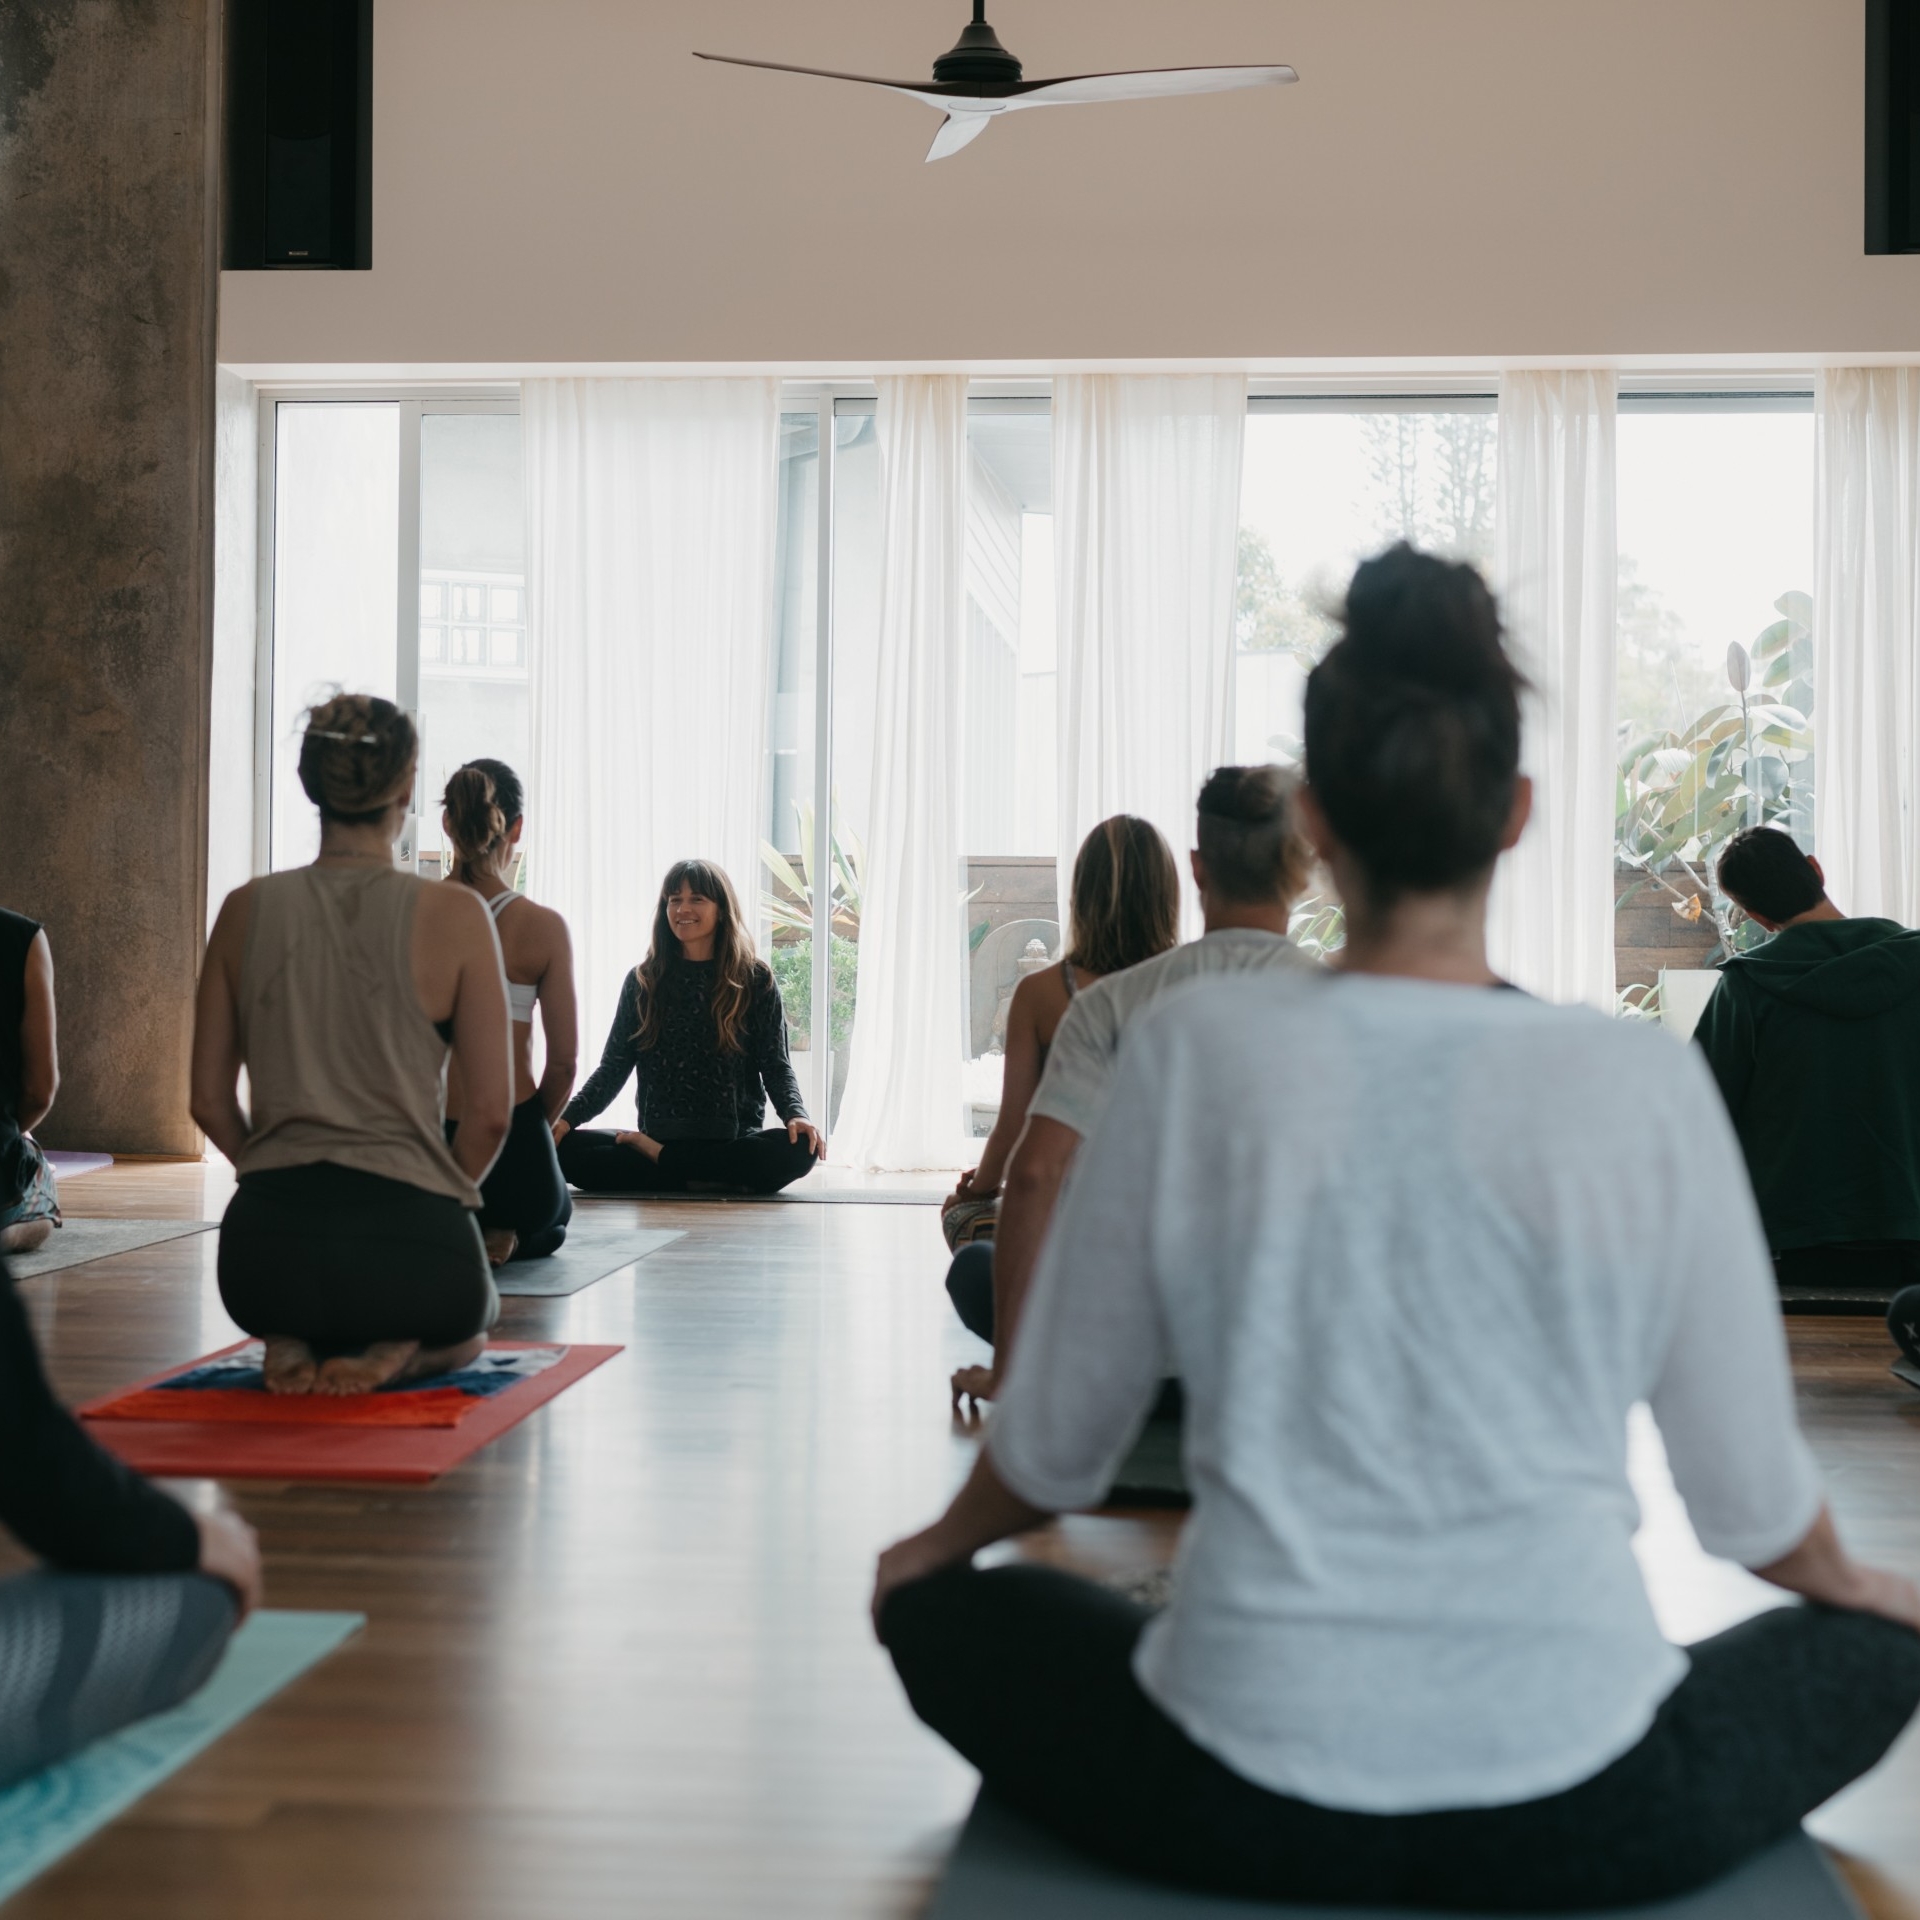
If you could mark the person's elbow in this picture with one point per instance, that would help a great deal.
(561, 1068)
(39, 1088)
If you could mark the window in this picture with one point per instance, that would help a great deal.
(1715, 663)
(361, 491)
(336, 545)
(1325, 484)
(474, 698)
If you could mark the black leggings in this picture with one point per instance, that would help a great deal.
(525, 1193)
(970, 1288)
(1027, 1672)
(342, 1259)
(82, 1655)
(596, 1162)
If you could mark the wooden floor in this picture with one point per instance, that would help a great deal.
(620, 1665)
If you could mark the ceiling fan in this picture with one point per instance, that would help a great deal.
(979, 80)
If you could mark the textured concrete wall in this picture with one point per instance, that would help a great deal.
(107, 294)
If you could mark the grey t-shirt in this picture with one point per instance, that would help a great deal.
(1073, 1089)
(1412, 1307)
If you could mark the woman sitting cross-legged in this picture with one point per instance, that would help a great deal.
(524, 1203)
(701, 1027)
(1123, 907)
(351, 1247)
(137, 1598)
(1416, 1249)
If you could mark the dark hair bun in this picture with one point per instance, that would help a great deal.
(1413, 725)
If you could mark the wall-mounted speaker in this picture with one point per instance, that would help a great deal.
(299, 134)
(1893, 126)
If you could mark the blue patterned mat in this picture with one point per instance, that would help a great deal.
(46, 1817)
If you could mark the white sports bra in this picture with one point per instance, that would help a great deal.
(520, 1000)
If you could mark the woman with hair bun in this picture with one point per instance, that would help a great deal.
(343, 988)
(701, 1029)
(524, 1204)
(1416, 1250)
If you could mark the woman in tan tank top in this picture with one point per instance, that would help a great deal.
(351, 1247)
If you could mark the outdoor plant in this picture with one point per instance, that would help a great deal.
(789, 905)
(1682, 793)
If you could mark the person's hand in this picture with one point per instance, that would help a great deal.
(798, 1130)
(630, 1140)
(963, 1187)
(230, 1551)
(560, 1131)
(905, 1562)
(974, 1383)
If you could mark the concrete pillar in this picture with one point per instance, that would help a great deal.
(108, 171)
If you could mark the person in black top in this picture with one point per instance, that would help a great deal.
(701, 1026)
(29, 1078)
(145, 1596)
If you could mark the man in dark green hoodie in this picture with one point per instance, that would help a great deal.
(1815, 1041)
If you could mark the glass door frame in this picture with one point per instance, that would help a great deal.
(414, 404)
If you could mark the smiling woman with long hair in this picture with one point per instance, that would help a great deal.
(701, 1029)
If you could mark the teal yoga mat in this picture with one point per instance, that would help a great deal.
(1004, 1869)
(46, 1816)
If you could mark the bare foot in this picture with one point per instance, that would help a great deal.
(24, 1235)
(385, 1360)
(501, 1244)
(289, 1366)
(431, 1360)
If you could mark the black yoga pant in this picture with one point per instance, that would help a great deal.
(970, 1288)
(82, 1655)
(1859, 1278)
(526, 1194)
(596, 1162)
(341, 1259)
(1027, 1672)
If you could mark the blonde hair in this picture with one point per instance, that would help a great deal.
(357, 757)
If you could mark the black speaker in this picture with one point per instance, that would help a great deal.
(299, 134)
(1893, 126)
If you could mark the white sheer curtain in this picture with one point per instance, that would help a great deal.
(1866, 646)
(1550, 928)
(1146, 487)
(903, 1101)
(650, 509)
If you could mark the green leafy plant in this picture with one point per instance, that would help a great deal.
(790, 911)
(1683, 792)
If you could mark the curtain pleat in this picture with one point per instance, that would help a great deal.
(1866, 638)
(1146, 476)
(650, 519)
(902, 1108)
(1550, 922)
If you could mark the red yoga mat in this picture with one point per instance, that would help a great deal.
(335, 1446)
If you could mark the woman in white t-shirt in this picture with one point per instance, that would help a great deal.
(1373, 1221)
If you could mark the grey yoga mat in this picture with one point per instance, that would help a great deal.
(594, 1248)
(82, 1240)
(1005, 1869)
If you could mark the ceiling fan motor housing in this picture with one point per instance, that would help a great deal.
(977, 56)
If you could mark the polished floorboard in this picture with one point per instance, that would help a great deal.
(619, 1664)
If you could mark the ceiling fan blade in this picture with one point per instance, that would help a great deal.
(915, 87)
(956, 131)
(1091, 89)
